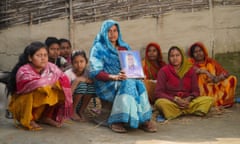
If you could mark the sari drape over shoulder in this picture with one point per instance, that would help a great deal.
(151, 69)
(223, 92)
(35, 92)
(129, 97)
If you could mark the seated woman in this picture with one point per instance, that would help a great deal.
(177, 91)
(213, 79)
(130, 105)
(40, 91)
(152, 63)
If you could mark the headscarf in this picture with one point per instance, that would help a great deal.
(185, 66)
(218, 68)
(103, 55)
(150, 68)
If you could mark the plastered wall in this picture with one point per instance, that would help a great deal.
(218, 29)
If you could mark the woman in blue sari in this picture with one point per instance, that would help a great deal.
(130, 105)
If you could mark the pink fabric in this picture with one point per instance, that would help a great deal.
(169, 84)
(27, 80)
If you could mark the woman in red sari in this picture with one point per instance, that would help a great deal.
(40, 91)
(152, 63)
(213, 79)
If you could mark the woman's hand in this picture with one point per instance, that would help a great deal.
(220, 78)
(89, 81)
(122, 75)
(188, 99)
(211, 77)
(182, 103)
(119, 76)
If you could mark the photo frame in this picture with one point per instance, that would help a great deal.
(131, 63)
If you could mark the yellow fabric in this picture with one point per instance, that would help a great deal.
(171, 110)
(150, 86)
(30, 106)
(186, 65)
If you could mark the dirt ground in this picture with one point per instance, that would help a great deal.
(214, 129)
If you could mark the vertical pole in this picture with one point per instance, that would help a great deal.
(212, 38)
(94, 12)
(71, 23)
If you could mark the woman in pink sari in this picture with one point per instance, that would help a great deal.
(40, 91)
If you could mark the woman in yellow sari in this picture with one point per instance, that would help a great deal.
(40, 91)
(152, 63)
(213, 79)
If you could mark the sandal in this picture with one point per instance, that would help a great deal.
(148, 127)
(118, 128)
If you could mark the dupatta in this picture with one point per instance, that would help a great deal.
(27, 80)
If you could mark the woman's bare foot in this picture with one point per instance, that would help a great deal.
(149, 126)
(51, 122)
(35, 126)
(76, 117)
(82, 117)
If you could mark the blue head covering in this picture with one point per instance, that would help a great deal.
(103, 55)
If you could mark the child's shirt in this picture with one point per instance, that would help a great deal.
(72, 76)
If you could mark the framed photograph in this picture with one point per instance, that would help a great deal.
(131, 64)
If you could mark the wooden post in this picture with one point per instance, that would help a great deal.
(212, 35)
(71, 23)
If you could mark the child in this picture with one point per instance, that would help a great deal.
(53, 47)
(65, 49)
(82, 87)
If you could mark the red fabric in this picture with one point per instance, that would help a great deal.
(104, 76)
(151, 68)
(170, 85)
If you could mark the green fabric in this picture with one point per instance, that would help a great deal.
(186, 65)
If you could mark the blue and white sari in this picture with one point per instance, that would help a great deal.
(129, 97)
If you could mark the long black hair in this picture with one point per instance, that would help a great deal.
(29, 51)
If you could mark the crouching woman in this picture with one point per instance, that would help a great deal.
(40, 91)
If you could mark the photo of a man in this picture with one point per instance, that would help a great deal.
(131, 64)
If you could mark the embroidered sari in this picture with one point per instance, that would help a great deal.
(36, 93)
(128, 97)
(151, 69)
(223, 92)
